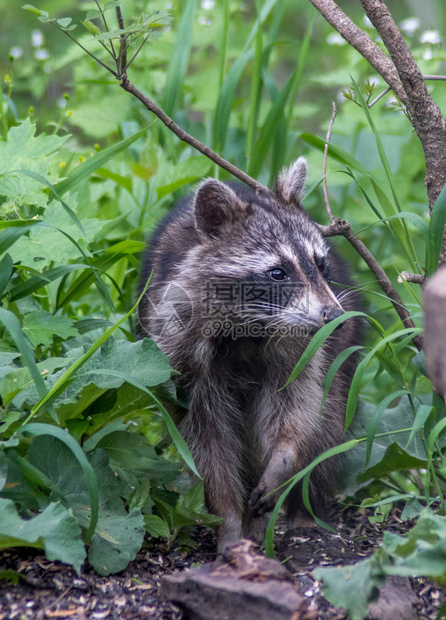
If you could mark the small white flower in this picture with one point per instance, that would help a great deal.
(204, 21)
(335, 39)
(36, 38)
(62, 102)
(427, 55)
(409, 25)
(367, 22)
(431, 36)
(41, 54)
(208, 5)
(16, 51)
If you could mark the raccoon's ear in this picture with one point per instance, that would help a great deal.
(215, 205)
(291, 181)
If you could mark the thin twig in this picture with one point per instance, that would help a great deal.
(343, 228)
(87, 52)
(383, 94)
(416, 278)
(324, 165)
(106, 28)
(135, 54)
(123, 46)
(185, 137)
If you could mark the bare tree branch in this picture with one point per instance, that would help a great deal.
(416, 278)
(185, 137)
(404, 77)
(363, 43)
(426, 116)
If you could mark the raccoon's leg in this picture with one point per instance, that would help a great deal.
(291, 433)
(210, 429)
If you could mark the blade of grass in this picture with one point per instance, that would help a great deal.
(179, 442)
(63, 381)
(436, 231)
(179, 59)
(269, 537)
(11, 323)
(86, 169)
(256, 88)
(357, 378)
(335, 152)
(405, 241)
(303, 53)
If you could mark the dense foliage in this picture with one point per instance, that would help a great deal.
(86, 173)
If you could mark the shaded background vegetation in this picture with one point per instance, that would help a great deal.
(260, 97)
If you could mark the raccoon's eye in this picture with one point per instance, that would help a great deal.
(321, 264)
(278, 274)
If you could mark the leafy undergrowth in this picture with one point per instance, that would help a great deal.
(84, 177)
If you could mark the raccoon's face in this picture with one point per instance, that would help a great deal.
(262, 259)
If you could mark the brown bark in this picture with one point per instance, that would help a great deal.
(426, 116)
(402, 74)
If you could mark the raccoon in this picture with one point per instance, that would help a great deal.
(240, 283)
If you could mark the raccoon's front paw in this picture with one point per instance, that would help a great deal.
(258, 504)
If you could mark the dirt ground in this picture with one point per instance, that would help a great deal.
(52, 590)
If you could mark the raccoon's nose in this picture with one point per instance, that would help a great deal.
(329, 314)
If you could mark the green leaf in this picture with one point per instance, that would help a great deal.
(132, 456)
(22, 150)
(436, 231)
(40, 327)
(352, 587)
(226, 98)
(55, 531)
(335, 152)
(6, 267)
(91, 27)
(57, 240)
(84, 170)
(395, 459)
(33, 9)
(156, 527)
(184, 173)
(116, 542)
(11, 323)
(53, 431)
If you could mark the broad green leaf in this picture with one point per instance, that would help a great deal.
(184, 173)
(131, 455)
(57, 241)
(352, 587)
(55, 531)
(22, 150)
(12, 325)
(395, 459)
(156, 527)
(40, 327)
(36, 429)
(142, 361)
(116, 542)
